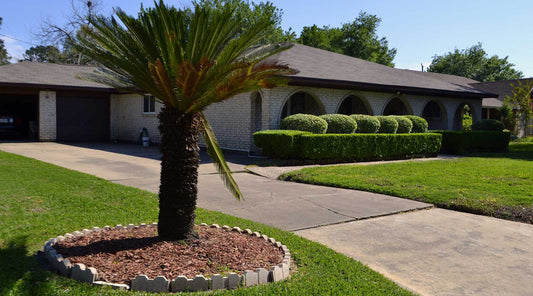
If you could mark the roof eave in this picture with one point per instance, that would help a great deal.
(354, 85)
(109, 90)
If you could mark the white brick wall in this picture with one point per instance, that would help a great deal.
(127, 118)
(232, 119)
(47, 116)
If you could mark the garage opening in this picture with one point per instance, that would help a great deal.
(82, 119)
(18, 117)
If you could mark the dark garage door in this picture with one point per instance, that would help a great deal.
(22, 109)
(82, 119)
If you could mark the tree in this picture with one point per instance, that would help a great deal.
(4, 57)
(65, 36)
(474, 63)
(357, 39)
(187, 65)
(43, 54)
(522, 102)
(251, 14)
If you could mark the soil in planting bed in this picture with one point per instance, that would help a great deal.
(121, 255)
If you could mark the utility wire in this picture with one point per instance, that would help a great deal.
(18, 39)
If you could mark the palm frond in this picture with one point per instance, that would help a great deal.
(213, 149)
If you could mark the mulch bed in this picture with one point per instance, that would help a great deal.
(121, 255)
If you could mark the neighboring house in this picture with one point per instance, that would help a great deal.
(68, 109)
(503, 89)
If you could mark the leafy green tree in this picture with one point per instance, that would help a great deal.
(357, 39)
(251, 13)
(522, 102)
(4, 57)
(42, 54)
(187, 65)
(474, 63)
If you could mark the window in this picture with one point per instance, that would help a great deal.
(148, 104)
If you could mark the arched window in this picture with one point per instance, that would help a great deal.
(396, 107)
(353, 105)
(301, 102)
(435, 114)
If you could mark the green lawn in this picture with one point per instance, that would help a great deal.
(39, 201)
(499, 185)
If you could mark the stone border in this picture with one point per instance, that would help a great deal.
(250, 278)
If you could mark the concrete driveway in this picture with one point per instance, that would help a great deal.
(429, 251)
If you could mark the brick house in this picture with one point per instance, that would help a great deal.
(65, 108)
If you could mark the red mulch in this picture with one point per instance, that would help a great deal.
(121, 255)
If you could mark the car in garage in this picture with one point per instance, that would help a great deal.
(8, 127)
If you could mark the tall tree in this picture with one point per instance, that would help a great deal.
(251, 13)
(43, 54)
(4, 57)
(357, 39)
(474, 63)
(522, 102)
(187, 65)
(65, 36)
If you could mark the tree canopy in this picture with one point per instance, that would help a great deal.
(357, 39)
(522, 101)
(43, 54)
(4, 57)
(474, 63)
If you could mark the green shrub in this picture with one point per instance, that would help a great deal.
(467, 122)
(366, 124)
(304, 122)
(359, 147)
(278, 143)
(488, 125)
(339, 124)
(420, 125)
(404, 124)
(388, 125)
(464, 142)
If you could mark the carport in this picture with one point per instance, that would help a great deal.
(49, 102)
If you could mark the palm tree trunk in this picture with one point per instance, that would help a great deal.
(179, 173)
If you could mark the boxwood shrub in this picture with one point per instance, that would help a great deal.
(304, 122)
(278, 143)
(366, 124)
(361, 147)
(404, 124)
(325, 148)
(488, 125)
(388, 125)
(420, 125)
(339, 124)
(464, 142)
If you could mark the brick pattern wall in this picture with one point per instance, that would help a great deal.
(127, 118)
(47, 116)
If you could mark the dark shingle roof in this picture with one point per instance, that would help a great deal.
(329, 68)
(502, 88)
(49, 75)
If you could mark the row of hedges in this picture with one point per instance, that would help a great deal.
(356, 123)
(346, 147)
(464, 142)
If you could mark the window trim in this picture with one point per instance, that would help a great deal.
(151, 99)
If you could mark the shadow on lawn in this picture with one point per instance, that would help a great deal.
(20, 272)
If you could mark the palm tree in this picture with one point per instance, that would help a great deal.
(187, 60)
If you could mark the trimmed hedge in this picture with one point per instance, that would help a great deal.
(405, 125)
(420, 125)
(366, 124)
(347, 147)
(339, 124)
(388, 125)
(464, 142)
(304, 122)
(278, 143)
(488, 125)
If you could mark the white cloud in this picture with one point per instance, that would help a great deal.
(14, 48)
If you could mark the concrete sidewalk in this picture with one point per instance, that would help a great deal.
(431, 252)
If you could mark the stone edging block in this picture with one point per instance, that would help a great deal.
(181, 283)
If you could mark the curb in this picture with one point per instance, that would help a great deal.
(250, 278)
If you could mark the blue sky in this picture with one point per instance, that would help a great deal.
(418, 29)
